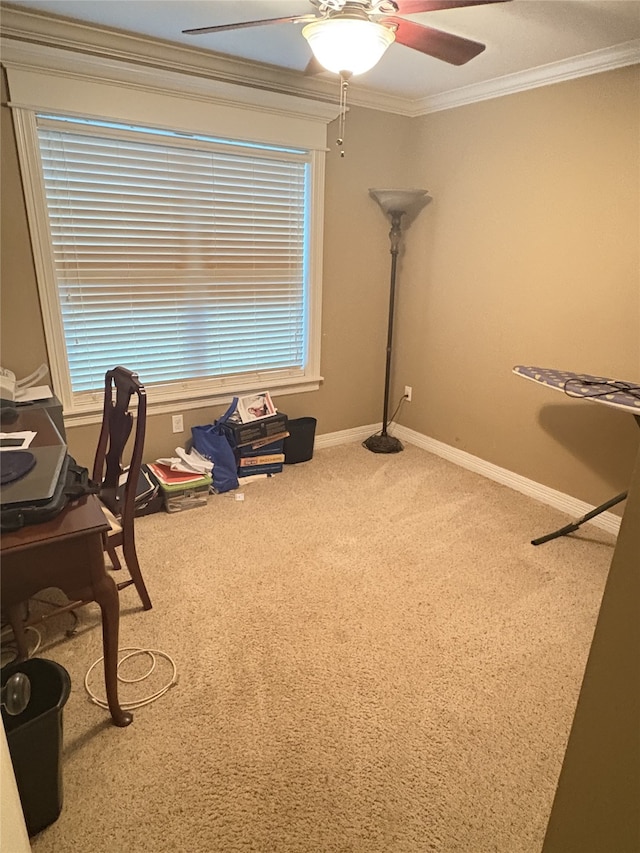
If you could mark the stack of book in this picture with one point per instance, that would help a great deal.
(258, 445)
(180, 489)
(263, 459)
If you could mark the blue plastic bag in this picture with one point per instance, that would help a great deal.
(212, 443)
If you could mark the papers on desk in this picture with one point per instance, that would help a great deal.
(16, 440)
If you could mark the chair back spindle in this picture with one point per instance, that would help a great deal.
(120, 386)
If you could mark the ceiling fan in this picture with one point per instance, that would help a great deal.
(350, 36)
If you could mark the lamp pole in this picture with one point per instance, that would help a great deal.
(394, 239)
(395, 204)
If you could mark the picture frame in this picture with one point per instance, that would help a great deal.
(255, 407)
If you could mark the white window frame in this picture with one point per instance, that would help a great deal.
(42, 80)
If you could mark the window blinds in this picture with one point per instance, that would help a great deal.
(179, 259)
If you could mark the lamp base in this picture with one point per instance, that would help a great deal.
(383, 444)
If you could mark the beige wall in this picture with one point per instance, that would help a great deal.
(22, 345)
(354, 288)
(356, 264)
(595, 809)
(528, 254)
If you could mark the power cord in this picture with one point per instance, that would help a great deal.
(611, 387)
(11, 646)
(391, 419)
(400, 402)
(133, 651)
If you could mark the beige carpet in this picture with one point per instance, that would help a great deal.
(372, 658)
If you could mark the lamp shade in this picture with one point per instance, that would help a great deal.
(348, 44)
(401, 201)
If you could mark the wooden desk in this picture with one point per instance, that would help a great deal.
(38, 421)
(67, 553)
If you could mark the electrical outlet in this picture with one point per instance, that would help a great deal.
(408, 390)
(177, 423)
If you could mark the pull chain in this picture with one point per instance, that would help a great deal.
(344, 87)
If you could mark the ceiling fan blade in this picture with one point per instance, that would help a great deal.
(414, 7)
(221, 28)
(450, 48)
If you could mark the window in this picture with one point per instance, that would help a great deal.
(176, 224)
(186, 258)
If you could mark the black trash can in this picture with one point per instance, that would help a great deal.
(35, 740)
(298, 447)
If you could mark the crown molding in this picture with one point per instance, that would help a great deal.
(29, 27)
(606, 59)
(57, 62)
(32, 27)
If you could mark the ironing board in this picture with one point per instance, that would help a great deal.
(599, 389)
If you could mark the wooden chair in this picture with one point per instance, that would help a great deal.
(118, 498)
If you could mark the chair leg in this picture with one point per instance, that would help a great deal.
(113, 556)
(14, 616)
(131, 559)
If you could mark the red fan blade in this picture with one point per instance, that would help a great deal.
(455, 50)
(292, 19)
(413, 7)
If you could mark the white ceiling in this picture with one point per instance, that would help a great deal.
(521, 36)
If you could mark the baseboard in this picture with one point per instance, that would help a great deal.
(551, 497)
(345, 436)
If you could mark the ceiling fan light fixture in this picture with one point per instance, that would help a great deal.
(348, 45)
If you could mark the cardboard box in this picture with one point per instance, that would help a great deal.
(243, 434)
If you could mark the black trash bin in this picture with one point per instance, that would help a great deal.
(35, 740)
(298, 447)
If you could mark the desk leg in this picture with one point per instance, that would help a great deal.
(106, 594)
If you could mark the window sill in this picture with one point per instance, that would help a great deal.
(93, 415)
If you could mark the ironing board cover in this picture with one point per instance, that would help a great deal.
(610, 392)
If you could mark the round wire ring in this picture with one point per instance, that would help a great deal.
(133, 655)
(128, 706)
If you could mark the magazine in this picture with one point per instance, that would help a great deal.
(254, 407)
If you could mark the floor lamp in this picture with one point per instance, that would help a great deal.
(395, 204)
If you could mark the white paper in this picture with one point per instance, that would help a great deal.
(25, 439)
(189, 463)
(196, 461)
(29, 395)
